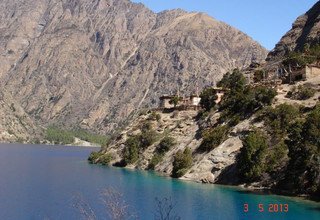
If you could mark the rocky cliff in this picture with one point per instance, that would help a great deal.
(93, 63)
(305, 31)
(184, 128)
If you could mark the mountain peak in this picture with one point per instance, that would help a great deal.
(305, 31)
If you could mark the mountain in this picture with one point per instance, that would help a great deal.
(91, 64)
(305, 31)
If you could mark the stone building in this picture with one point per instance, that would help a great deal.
(312, 70)
(184, 102)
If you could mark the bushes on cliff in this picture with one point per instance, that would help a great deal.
(303, 172)
(251, 160)
(279, 118)
(105, 159)
(154, 116)
(234, 81)
(131, 150)
(303, 92)
(166, 144)
(157, 158)
(246, 102)
(147, 138)
(213, 138)
(259, 75)
(139, 142)
(242, 100)
(100, 158)
(302, 58)
(94, 156)
(182, 162)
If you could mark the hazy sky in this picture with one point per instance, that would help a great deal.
(266, 21)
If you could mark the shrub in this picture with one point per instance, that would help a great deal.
(146, 126)
(166, 144)
(252, 156)
(154, 116)
(302, 58)
(213, 138)
(208, 98)
(279, 118)
(259, 75)
(131, 150)
(303, 172)
(303, 92)
(158, 117)
(157, 158)
(105, 159)
(182, 162)
(235, 81)
(276, 155)
(246, 101)
(148, 138)
(94, 156)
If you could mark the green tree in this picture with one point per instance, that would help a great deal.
(235, 81)
(279, 118)
(243, 103)
(157, 158)
(147, 138)
(131, 150)
(182, 162)
(303, 172)
(166, 144)
(208, 98)
(213, 137)
(252, 156)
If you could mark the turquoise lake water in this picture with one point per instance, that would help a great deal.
(42, 182)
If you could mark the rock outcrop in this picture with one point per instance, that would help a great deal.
(94, 63)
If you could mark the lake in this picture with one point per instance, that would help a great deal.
(45, 182)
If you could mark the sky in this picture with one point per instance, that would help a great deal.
(266, 21)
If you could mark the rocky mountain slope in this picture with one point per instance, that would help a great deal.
(185, 129)
(305, 31)
(93, 63)
(16, 125)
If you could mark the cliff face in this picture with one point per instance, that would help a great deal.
(93, 63)
(305, 31)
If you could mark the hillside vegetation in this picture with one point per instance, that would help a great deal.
(248, 138)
